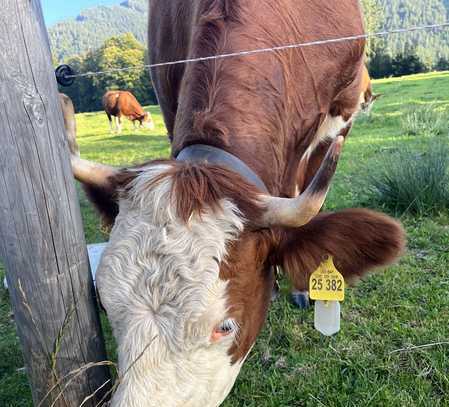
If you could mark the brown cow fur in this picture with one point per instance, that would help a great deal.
(265, 109)
(196, 187)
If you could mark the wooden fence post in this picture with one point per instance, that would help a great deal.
(41, 235)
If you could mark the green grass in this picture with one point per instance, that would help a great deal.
(425, 120)
(412, 181)
(291, 364)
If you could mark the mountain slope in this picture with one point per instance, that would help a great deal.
(430, 45)
(94, 25)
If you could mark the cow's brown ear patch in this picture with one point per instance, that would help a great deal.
(197, 187)
(358, 239)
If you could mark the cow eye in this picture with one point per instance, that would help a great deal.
(227, 327)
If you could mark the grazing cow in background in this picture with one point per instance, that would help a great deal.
(118, 103)
(186, 278)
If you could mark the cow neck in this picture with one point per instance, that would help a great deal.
(202, 153)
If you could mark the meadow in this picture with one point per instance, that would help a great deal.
(393, 348)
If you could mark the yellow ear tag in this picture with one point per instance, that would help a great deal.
(327, 288)
(326, 283)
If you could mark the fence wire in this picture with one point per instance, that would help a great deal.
(267, 50)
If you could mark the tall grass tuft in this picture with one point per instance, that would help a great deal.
(407, 181)
(425, 120)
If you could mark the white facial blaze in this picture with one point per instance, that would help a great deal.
(159, 282)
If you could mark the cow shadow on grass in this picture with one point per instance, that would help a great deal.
(135, 138)
(106, 134)
(134, 145)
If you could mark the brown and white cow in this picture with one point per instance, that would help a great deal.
(118, 103)
(186, 279)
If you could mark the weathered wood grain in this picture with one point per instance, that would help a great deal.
(41, 235)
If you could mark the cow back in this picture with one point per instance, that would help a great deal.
(122, 103)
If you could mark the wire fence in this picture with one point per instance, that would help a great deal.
(380, 34)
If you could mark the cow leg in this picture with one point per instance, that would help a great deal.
(119, 124)
(300, 299)
(275, 292)
(110, 122)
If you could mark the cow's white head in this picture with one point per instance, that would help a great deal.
(147, 121)
(159, 282)
(186, 280)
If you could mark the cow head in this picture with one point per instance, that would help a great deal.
(147, 121)
(186, 279)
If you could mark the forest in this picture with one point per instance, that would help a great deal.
(93, 26)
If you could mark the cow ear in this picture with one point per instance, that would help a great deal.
(105, 195)
(357, 239)
(103, 184)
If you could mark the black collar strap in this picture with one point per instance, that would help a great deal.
(216, 156)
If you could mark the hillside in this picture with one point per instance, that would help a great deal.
(407, 13)
(93, 26)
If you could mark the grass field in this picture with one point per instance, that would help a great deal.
(393, 349)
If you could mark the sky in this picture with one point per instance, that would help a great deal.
(55, 10)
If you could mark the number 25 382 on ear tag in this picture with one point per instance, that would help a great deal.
(326, 283)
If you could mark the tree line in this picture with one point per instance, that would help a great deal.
(411, 53)
(122, 51)
(382, 65)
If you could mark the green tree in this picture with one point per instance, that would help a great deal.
(374, 15)
(407, 63)
(442, 65)
(125, 57)
(380, 64)
(126, 53)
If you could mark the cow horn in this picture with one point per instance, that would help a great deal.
(296, 212)
(84, 171)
